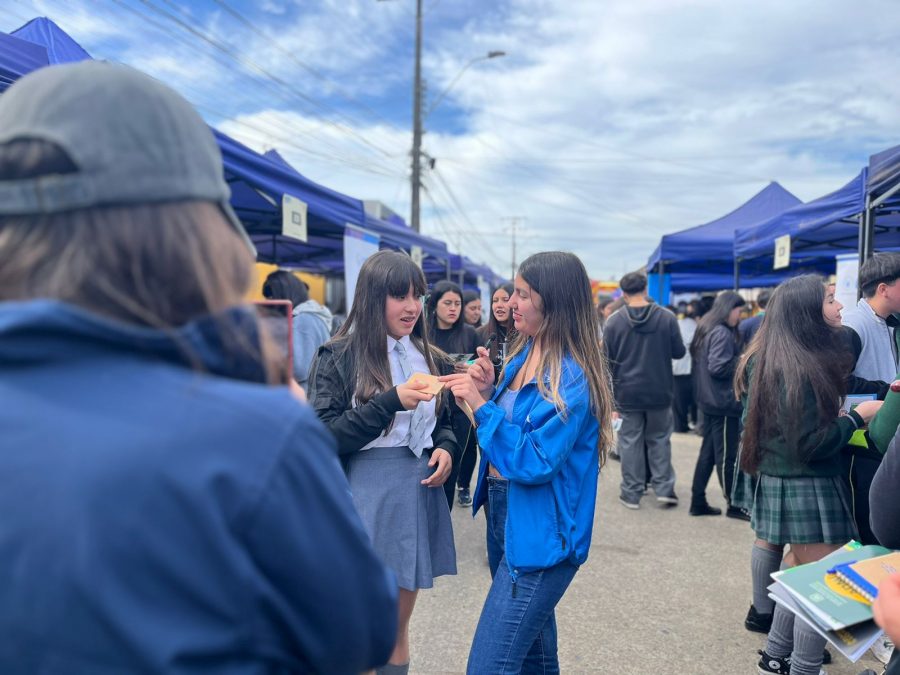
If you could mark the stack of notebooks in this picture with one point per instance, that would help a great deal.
(834, 595)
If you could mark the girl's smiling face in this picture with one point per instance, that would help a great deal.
(526, 307)
(401, 313)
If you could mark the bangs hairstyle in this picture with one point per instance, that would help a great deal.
(157, 265)
(569, 328)
(794, 356)
(364, 334)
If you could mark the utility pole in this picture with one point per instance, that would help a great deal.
(417, 124)
(514, 222)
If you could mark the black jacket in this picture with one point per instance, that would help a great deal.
(640, 343)
(332, 380)
(714, 363)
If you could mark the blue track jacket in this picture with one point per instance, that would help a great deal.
(552, 464)
(157, 519)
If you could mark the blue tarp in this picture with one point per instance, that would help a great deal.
(708, 248)
(17, 57)
(820, 228)
(61, 48)
(884, 171)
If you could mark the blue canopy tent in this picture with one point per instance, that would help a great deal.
(60, 46)
(882, 199)
(392, 235)
(819, 230)
(18, 57)
(702, 257)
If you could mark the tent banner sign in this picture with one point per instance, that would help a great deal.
(782, 252)
(415, 252)
(359, 244)
(293, 218)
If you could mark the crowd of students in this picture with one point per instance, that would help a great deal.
(172, 504)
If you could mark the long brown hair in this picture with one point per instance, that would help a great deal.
(154, 265)
(569, 328)
(794, 353)
(364, 334)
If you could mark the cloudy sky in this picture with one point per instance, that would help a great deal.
(606, 125)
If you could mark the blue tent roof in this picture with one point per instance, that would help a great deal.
(60, 46)
(17, 57)
(817, 228)
(709, 247)
(884, 171)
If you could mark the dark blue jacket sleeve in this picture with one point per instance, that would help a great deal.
(327, 593)
(884, 507)
(533, 453)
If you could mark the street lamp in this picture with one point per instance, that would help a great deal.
(416, 178)
(490, 55)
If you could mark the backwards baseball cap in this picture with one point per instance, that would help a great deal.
(133, 141)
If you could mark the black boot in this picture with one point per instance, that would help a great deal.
(757, 622)
(704, 509)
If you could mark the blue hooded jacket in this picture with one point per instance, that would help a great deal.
(552, 464)
(160, 519)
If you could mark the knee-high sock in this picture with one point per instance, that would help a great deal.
(763, 562)
(781, 635)
(806, 658)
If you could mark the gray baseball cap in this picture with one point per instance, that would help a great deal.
(133, 139)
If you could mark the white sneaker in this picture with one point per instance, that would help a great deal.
(629, 505)
(883, 648)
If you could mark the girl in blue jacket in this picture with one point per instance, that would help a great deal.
(543, 432)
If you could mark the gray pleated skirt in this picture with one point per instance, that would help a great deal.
(409, 524)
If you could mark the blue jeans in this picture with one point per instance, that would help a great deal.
(517, 629)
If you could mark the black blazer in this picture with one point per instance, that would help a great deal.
(332, 380)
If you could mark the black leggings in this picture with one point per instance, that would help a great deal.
(719, 449)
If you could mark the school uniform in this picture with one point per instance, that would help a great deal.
(385, 451)
(800, 496)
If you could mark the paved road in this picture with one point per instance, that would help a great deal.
(661, 592)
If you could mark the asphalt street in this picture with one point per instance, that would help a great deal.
(661, 592)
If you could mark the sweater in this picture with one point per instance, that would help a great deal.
(878, 358)
(640, 343)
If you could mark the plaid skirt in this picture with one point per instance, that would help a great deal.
(802, 510)
(743, 485)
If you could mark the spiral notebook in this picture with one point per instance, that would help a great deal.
(865, 576)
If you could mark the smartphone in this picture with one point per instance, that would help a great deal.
(277, 316)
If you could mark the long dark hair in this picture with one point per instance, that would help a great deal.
(364, 333)
(494, 327)
(724, 303)
(794, 354)
(456, 340)
(569, 328)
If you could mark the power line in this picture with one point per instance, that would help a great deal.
(305, 66)
(251, 63)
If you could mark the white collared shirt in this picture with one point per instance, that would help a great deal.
(398, 436)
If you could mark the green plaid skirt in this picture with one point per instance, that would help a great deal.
(803, 510)
(743, 485)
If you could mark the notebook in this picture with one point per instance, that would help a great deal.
(864, 576)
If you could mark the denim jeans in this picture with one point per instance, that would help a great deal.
(517, 629)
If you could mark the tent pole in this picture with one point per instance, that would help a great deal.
(737, 274)
(448, 269)
(662, 283)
